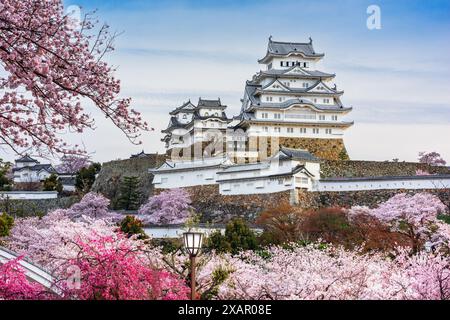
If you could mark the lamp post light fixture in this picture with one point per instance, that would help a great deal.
(193, 243)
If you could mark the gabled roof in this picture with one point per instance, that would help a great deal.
(204, 163)
(251, 90)
(297, 154)
(26, 158)
(47, 167)
(204, 103)
(289, 73)
(185, 107)
(175, 124)
(142, 154)
(278, 48)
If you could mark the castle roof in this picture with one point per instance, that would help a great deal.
(253, 90)
(185, 107)
(297, 154)
(204, 103)
(47, 167)
(142, 154)
(26, 158)
(287, 73)
(278, 48)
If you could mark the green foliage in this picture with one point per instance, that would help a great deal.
(52, 183)
(343, 155)
(445, 218)
(218, 277)
(168, 245)
(129, 194)
(86, 177)
(238, 236)
(5, 182)
(6, 223)
(132, 226)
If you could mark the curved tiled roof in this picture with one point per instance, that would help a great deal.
(185, 107)
(26, 158)
(283, 72)
(300, 154)
(279, 48)
(204, 103)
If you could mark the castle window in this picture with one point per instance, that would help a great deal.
(334, 117)
(302, 130)
(282, 63)
(277, 129)
(305, 84)
(306, 65)
(266, 129)
(269, 66)
(206, 114)
(216, 114)
(328, 131)
(290, 130)
(277, 115)
(265, 115)
(321, 117)
(326, 100)
(184, 116)
(315, 130)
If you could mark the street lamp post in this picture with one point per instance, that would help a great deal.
(193, 243)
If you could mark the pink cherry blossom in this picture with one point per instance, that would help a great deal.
(51, 71)
(169, 207)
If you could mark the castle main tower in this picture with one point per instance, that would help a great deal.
(296, 103)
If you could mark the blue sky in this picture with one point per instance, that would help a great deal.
(397, 78)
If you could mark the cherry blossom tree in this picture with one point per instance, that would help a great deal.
(412, 215)
(431, 158)
(168, 207)
(51, 70)
(71, 164)
(423, 276)
(420, 172)
(93, 205)
(14, 285)
(49, 241)
(111, 269)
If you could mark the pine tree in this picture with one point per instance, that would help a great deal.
(129, 194)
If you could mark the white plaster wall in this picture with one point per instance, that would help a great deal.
(264, 185)
(28, 195)
(181, 179)
(410, 184)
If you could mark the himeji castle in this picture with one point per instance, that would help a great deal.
(294, 101)
(288, 103)
(291, 119)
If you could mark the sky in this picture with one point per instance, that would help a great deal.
(396, 78)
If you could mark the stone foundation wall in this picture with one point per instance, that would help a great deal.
(370, 198)
(351, 168)
(32, 208)
(217, 208)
